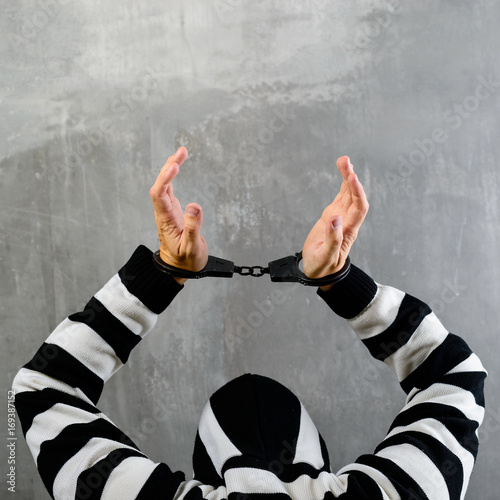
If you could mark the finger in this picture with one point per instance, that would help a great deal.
(344, 166)
(178, 157)
(168, 172)
(358, 209)
(161, 192)
(167, 208)
(357, 192)
(193, 220)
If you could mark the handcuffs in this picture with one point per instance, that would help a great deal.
(280, 270)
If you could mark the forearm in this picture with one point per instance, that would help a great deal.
(180, 281)
(99, 339)
(443, 378)
(57, 390)
(398, 329)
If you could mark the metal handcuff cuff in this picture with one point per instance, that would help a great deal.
(281, 270)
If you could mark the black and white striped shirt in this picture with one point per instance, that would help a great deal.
(428, 453)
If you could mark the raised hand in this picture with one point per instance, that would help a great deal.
(328, 244)
(181, 244)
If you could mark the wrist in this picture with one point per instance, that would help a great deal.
(326, 288)
(181, 281)
(351, 296)
(165, 259)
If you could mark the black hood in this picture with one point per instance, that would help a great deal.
(255, 422)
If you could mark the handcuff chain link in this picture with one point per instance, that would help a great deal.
(255, 271)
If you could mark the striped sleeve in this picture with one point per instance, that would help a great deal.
(79, 452)
(432, 445)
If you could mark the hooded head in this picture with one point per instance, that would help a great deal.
(254, 423)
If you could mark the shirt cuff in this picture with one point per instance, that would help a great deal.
(154, 288)
(352, 295)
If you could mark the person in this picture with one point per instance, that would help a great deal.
(255, 439)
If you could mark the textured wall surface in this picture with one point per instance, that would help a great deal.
(266, 95)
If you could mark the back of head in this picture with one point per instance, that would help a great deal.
(255, 430)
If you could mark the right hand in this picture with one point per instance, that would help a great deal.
(330, 240)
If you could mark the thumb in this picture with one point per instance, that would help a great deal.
(193, 219)
(334, 235)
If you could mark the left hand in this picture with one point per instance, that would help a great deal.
(181, 244)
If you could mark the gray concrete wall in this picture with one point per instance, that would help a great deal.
(94, 96)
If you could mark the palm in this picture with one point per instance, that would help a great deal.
(171, 220)
(350, 204)
(181, 245)
(171, 228)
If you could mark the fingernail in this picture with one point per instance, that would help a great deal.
(337, 222)
(192, 211)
